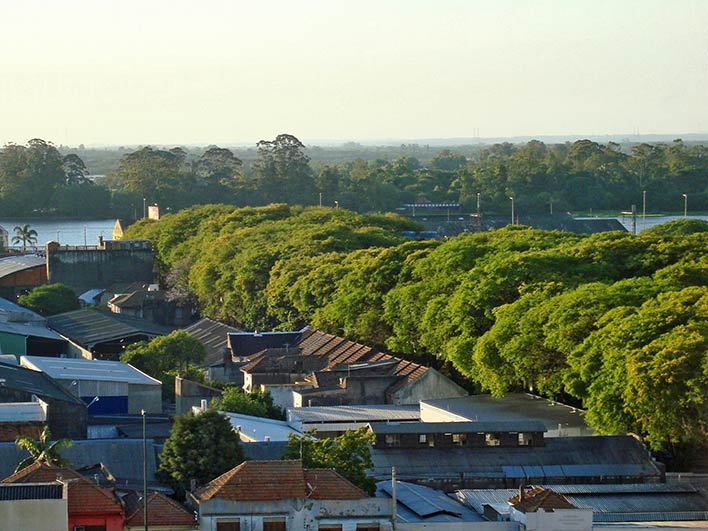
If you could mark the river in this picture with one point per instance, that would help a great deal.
(65, 232)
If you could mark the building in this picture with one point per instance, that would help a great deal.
(120, 388)
(164, 514)
(335, 371)
(331, 421)
(283, 496)
(96, 334)
(89, 506)
(23, 331)
(65, 413)
(218, 360)
(37, 506)
(19, 274)
(22, 418)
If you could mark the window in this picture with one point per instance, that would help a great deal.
(422, 438)
(367, 527)
(459, 438)
(90, 528)
(233, 525)
(330, 527)
(274, 523)
(525, 439)
(393, 439)
(491, 439)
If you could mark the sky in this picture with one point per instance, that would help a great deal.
(229, 72)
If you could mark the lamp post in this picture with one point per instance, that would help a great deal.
(685, 205)
(336, 204)
(145, 488)
(478, 203)
(512, 209)
(644, 209)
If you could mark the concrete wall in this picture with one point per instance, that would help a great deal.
(429, 386)
(189, 394)
(144, 397)
(38, 515)
(460, 526)
(84, 268)
(556, 520)
(300, 515)
(282, 394)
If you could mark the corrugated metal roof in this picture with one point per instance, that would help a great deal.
(258, 428)
(82, 369)
(425, 504)
(22, 412)
(15, 264)
(88, 327)
(214, 336)
(370, 413)
(34, 382)
(34, 329)
(29, 491)
(458, 427)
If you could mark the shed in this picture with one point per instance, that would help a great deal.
(120, 388)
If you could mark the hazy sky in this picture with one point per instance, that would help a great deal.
(188, 72)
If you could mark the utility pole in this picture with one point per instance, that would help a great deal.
(145, 488)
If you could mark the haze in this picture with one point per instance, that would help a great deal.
(178, 72)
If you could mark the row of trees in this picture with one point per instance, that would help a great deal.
(615, 322)
(578, 176)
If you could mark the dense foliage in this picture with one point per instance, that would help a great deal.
(43, 450)
(256, 403)
(200, 447)
(349, 454)
(615, 322)
(50, 299)
(578, 176)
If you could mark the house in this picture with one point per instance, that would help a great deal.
(120, 387)
(214, 336)
(22, 418)
(541, 509)
(164, 514)
(148, 302)
(65, 413)
(34, 506)
(334, 370)
(23, 331)
(331, 421)
(103, 335)
(89, 506)
(283, 496)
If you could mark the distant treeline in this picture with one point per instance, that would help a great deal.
(578, 177)
(615, 322)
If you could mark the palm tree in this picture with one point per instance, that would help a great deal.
(25, 235)
(42, 450)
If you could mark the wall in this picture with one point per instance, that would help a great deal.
(65, 418)
(189, 394)
(301, 515)
(21, 281)
(282, 394)
(144, 397)
(113, 522)
(44, 515)
(556, 520)
(84, 268)
(459, 526)
(429, 386)
(13, 344)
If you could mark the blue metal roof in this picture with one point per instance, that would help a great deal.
(417, 503)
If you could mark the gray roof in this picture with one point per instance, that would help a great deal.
(122, 457)
(416, 503)
(34, 329)
(35, 382)
(371, 413)
(560, 455)
(88, 327)
(22, 412)
(258, 428)
(611, 503)
(14, 264)
(458, 427)
(264, 451)
(31, 491)
(214, 336)
(83, 369)
(513, 406)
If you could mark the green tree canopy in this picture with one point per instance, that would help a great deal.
(257, 403)
(200, 447)
(50, 299)
(43, 450)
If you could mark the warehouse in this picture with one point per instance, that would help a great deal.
(120, 388)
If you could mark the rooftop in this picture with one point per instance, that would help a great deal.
(278, 480)
(458, 427)
(83, 369)
(213, 335)
(36, 491)
(15, 264)
(258, 428)
(363, 414)
(88, 327)
(35, 382)
(162, 511)
(22, 412)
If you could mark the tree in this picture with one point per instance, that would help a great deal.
(43, 450)
(200, 447)
(25, 235)
(177, 350)
(50, 299)
(257, 403)
(74, 169)
(349, 454)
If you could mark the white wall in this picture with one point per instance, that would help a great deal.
(37, 515)
(460, 526)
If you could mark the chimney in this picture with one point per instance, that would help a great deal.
(203, 404)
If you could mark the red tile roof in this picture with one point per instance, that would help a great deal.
(162, 511)
(278, 480)
(84, 496)
(539, 498)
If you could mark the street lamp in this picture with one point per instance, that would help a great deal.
(644, 209)
(336, 204)
(512, 209)
(685, 205)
